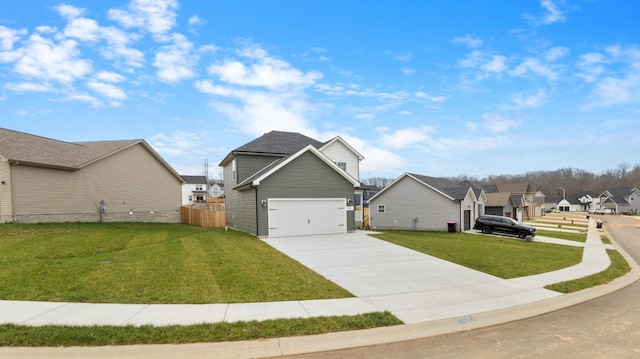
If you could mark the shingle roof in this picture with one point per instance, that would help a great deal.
(194, 179)
(452, 189)
(40, 151)
(498, 199)
(515, 188)
(279, 142)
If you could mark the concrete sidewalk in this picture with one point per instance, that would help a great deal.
(431, 295)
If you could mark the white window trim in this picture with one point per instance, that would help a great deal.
(384, 208)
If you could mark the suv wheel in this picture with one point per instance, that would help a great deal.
(486, 230)
(522, 234)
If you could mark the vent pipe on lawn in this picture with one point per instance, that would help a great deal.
(101, 210)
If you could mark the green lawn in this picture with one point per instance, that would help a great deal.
(504, 257)
(578, 237)
(149, 263)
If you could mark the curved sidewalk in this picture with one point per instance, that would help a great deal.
(431, 295)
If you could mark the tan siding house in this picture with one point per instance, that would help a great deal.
(45, 180)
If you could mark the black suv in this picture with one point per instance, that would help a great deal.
(489, 224)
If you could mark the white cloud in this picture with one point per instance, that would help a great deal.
(108, 90)
(175, 62)
(407, 71)
(88, 30)
(429, 97)
(488, 64)
(69, 12)
(108, 76)
(264, 71)
(556, 53)
(364, 116)
(533, 66)
(522, 101)
(181, 142)
(196, 20)
(45, 60)
(591, 66)
(615, 91)
(405, 137)
(553, 14)
(155, 16)
(29, 87)
(498, 123)
(8, 37)
(404, 56)
(467, 40)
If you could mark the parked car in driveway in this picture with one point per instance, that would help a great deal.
(489, 224)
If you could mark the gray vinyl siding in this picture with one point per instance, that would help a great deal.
(6, 213)
(240, 207)
(248, 165)
(130, 180)
(407, 200)
(305, 177)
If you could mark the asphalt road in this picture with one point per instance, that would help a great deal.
(606, 327)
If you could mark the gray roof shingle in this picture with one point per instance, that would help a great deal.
(35, 150)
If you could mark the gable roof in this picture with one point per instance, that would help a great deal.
(27, 149)
(516, 188)
(277, 143)
(499, 199)
(281, 162)
(195, 179)
(445, 187)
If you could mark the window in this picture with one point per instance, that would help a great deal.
(342, 165)
(198, 187)
(381, 208)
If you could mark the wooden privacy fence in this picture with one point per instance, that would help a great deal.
(203, 217)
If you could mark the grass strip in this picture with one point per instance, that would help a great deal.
(566, 224)
(578, 237)
(27, 336)
(618, 268)
(504, 257)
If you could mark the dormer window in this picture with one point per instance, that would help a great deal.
(342, 165)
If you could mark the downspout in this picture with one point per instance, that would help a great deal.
(257, 209)
(13, 197)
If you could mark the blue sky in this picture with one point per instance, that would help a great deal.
(439, 88)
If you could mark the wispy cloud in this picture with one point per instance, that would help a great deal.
(551, 14)
(467, 40)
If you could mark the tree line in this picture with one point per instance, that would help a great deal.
(552, 183)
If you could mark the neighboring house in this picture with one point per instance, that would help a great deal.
(420, 202)
(588, 201)
(194, 190)
(501, 204)
(46, 180)
(216, 190)
(621, 200)
(551, 203)
(530, 202)
(288, 184)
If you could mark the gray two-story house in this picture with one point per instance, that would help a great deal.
(288, 184)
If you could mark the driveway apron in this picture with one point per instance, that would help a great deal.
(413, 286)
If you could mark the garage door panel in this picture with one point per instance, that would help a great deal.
(295, 217)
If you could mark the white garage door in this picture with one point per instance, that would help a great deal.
(306, 216)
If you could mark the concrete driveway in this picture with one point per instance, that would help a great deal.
(413, 286)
